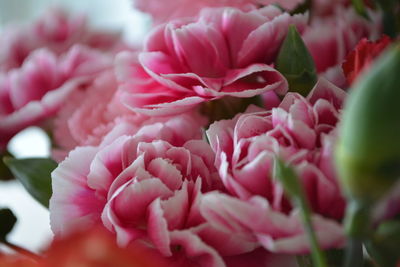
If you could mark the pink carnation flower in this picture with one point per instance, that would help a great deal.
(146, 190)
(300, 131)
(163, 11)
(55, 30)
(38, 88)
(225, 52)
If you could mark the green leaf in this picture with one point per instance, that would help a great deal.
(295, 62)
(5, 173)
(295, 191)
(34, 174)
(7, 222)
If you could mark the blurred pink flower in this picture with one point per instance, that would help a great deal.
(38, 88)
(332, 37)
(225, 52)
(327, 7)
(56, 31)
(163, 11)
(301, 131)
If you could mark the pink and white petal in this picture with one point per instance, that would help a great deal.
(199, 47)
(169, 109)
(158, 228)
(270, 79)
(227, 243)
(330, 234)
(230, 183)
(124, 233)
(37, 76)
(328, 91)
(220, 136)
(195, 250)
(176, 208)
(73, 204)
(235, 24)
(83, 61)
(255, 217)
(106, 166)
(250, 125)
(254, 176)
(167, 215)
(35, 111)
(130, 203)
(270, 34)
(166, 171)
(202, 149)
(157, 63)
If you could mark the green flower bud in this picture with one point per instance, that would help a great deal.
(368, 150)
(296, 63)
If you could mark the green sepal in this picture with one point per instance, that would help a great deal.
(35, 175)
(296, 64)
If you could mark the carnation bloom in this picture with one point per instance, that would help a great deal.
(163, 11)
(144, 189)
(224, 52)
(39, 87)
(363, 55)
(331, 38)
(151, 191)
(300, 131)
(42, 63)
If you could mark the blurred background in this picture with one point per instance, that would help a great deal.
(33, 230)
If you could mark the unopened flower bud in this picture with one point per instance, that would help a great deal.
(368, 151)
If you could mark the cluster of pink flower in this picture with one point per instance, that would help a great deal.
(139, 154)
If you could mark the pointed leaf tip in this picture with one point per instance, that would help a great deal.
(295, 62)
(35, 175)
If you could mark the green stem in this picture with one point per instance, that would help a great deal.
(354, 253)
(357, 224)
(316, 252)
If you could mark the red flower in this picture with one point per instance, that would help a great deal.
(361, 58)
(93, 248)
